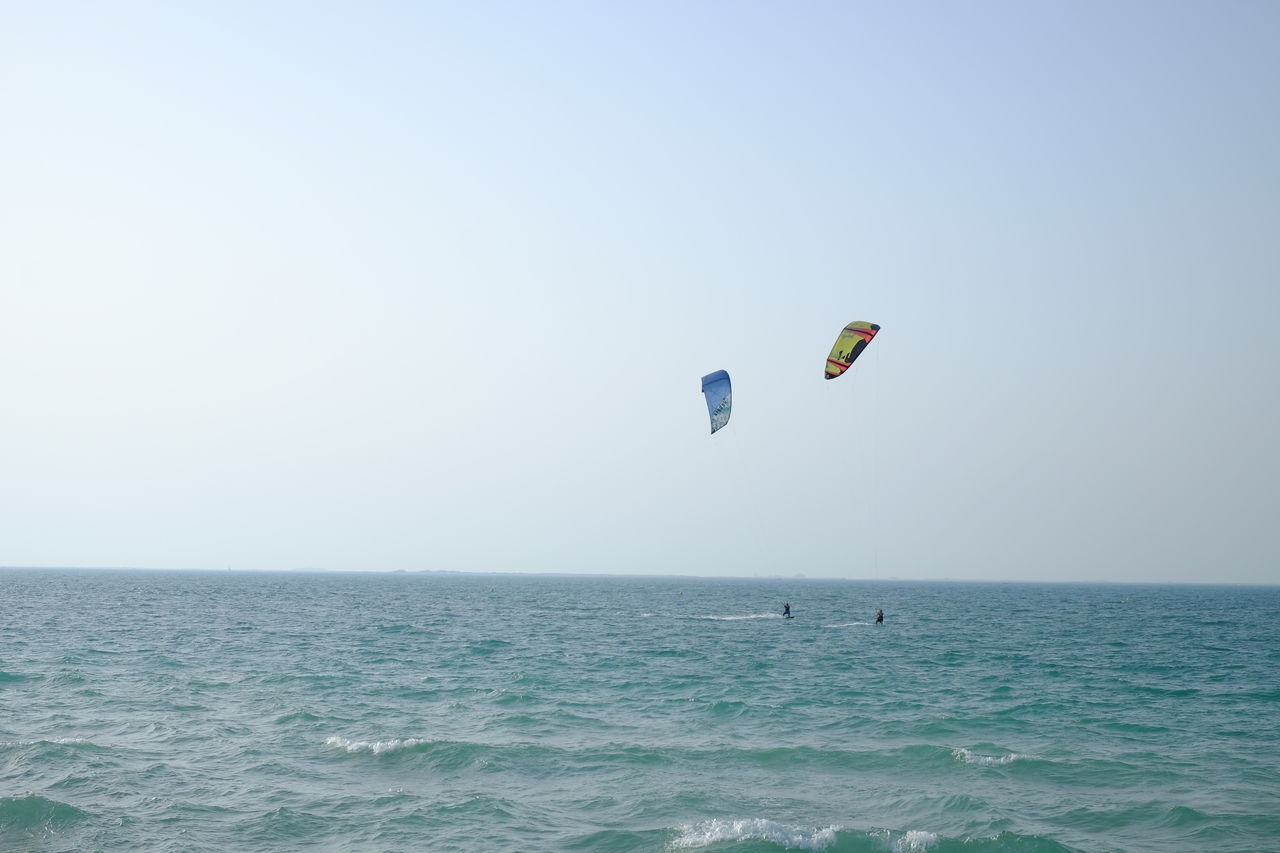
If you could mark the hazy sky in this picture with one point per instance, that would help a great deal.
(416, 286)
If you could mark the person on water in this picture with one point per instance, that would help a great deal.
(786, 610)
(879, 617)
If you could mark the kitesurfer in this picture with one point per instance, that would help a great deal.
(879, 617)
(786, 610)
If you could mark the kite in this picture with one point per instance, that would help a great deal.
(852, 341)
(719, 396)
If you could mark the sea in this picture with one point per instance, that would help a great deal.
(310, 711)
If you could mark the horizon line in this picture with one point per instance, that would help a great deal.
(794, 577)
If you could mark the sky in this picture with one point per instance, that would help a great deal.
(431, 286)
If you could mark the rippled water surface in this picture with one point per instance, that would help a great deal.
(185, 711)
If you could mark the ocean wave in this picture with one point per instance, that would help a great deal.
(713, 833)
(708, 832)
(970, 757)
(915, 841)
(728, 708)
(739, 618)
(58, 741)
(377, 747)
(297, 717)
(484, 648)
(34, 814)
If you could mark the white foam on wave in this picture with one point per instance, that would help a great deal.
(739, 618)
(849, 625)
(915, 841)
(376, 747)
(708, 832)
(970, 757)
(63, 741)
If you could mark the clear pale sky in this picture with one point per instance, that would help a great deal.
(431, 286)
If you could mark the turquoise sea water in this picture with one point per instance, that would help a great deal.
(187, 711)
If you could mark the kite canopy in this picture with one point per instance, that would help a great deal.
(852, 341)
(719, 394)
